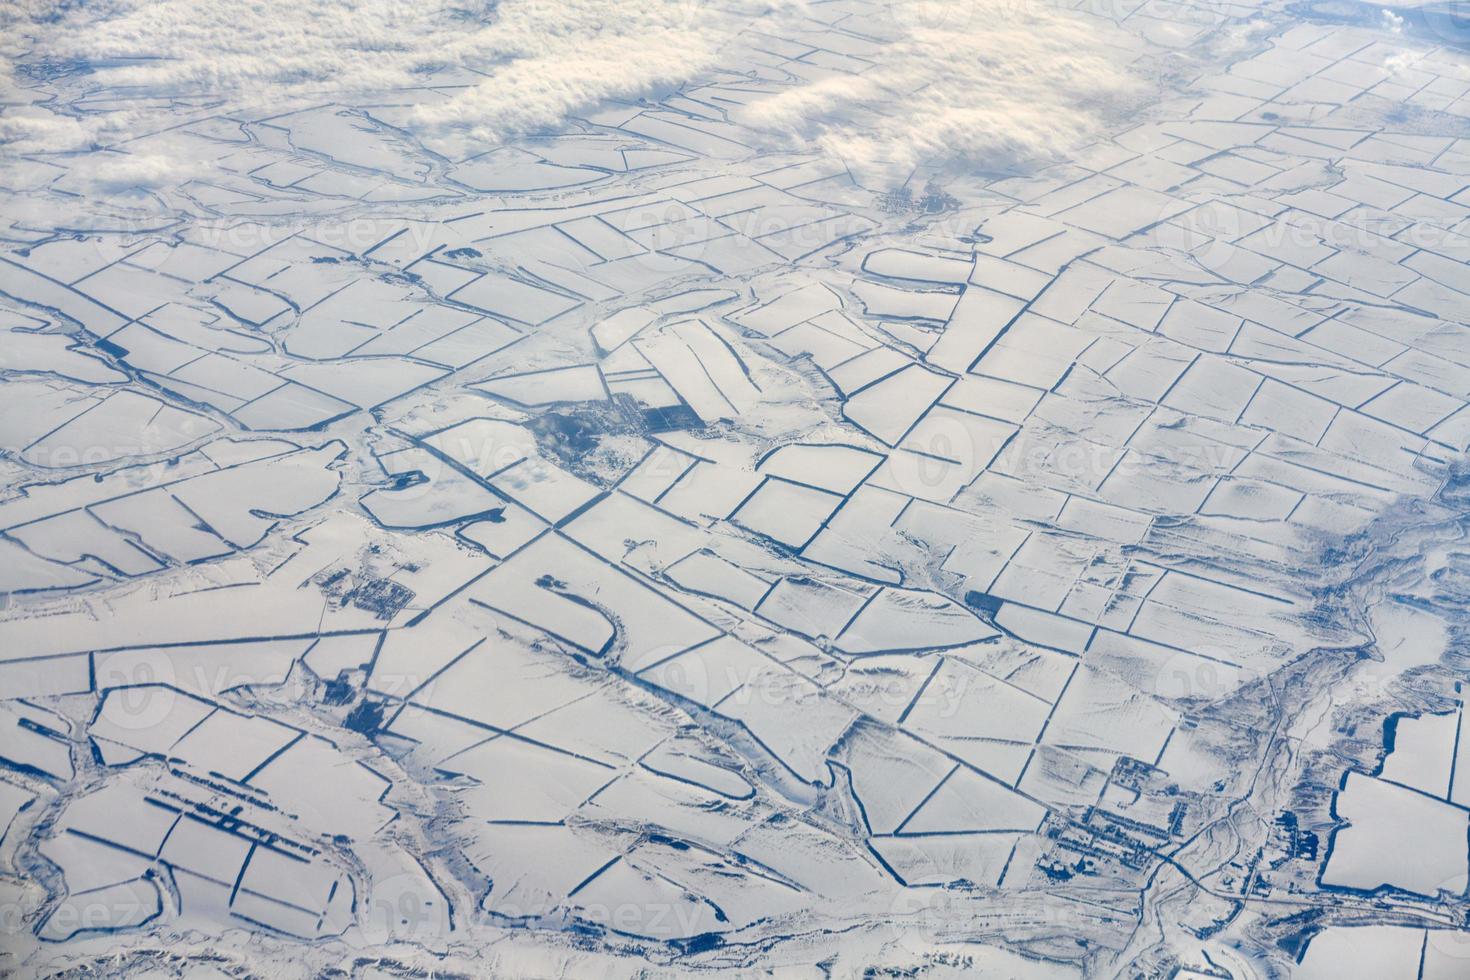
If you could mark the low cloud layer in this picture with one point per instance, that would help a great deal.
(525, 64)
(989, 82)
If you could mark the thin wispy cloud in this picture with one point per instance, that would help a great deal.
(520, 65)
(990, 83)
(987, 82)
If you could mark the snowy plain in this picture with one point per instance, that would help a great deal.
(815, 488)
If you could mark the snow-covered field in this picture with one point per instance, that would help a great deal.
(805, 488)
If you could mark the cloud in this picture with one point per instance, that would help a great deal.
(988, 83)
(985, 82)
(125, 173)
(28, 128)
(521, 65)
